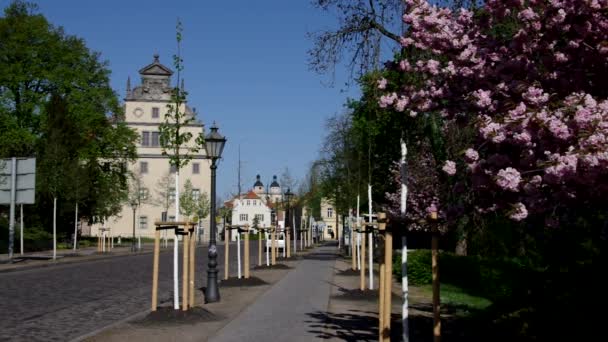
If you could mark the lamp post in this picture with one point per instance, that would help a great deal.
(287, 197)
(214, 146)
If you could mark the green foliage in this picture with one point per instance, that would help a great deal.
(203, 205)
(56, 104)
(175, 142)
(187, 203)
(491, 278)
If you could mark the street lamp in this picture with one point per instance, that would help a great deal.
(214, 146)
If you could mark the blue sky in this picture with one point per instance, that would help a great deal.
(245, 67)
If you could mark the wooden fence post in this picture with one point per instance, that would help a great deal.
(155, 270)
(226, 251)
(259, 247)
(363, 236)
(192, 266)
(247, 252)
(186, 245)
(435, 270)
(273, 246)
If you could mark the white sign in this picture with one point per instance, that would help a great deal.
(25, 181)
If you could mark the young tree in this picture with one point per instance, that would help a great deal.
(165, 188)
(188, 203)
(138, 195)
(176, 143)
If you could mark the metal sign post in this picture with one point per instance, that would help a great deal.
(17, 186)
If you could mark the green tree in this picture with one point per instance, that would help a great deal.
(203, 206)
(188, 203)
(56, 104)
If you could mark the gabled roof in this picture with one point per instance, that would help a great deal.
(156, 68)
(251, 195)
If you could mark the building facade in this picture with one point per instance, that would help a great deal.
(328, 216)
(145, 107)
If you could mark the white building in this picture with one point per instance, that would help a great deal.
(145, 107)
(249, 207)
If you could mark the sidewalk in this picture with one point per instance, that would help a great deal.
(318, 299)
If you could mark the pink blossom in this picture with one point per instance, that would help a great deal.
(559, 129)
(528, 14)
(382, 83)
(449, 167)
(560, 57)
(535, 96)
(471, 155)
(519, 212)
(401, 103)
(483, 99)
(413, 113)
(509, 179)
(404, 65)
(387, 100)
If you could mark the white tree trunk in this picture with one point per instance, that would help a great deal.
(294, 236)
(371, 240)
(267, 250)
(54, 228)
(75, 226)
(238, 252)
(175, 247)
(358, 235)
(405, 285)
(21, 250)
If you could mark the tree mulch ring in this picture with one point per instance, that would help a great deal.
(357, 294)
(168, 316)
(348, 272)
(273, 267)
(236, 282)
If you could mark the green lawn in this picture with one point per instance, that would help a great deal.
(453, 295)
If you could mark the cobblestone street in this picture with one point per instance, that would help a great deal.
(63, 302)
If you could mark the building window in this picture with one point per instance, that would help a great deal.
(248, 202)
(196, 194)
(143, 222)
(196, 168)
(143, 194)
(330, 212)
(143, 167)
(255, 202)
(172, 218)
(172, 194)
(155, 139)
(145, 138)
(243, 217)
(155, 113)
(172, 168)
(260, 217)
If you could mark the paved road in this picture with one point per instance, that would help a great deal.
(62, 302)
(284, 310)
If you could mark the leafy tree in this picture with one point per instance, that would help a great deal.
(56, 104)
(203, 205)
(188, 203)
(164, 191)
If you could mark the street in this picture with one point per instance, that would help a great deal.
(63, 302)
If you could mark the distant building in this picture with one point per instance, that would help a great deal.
(328, 216)
(258, 202)
(145, 107)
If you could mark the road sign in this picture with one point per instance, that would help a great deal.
(25, 182)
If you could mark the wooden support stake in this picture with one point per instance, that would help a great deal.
(435, 270)
(226, 251)
(186, 245)
(259, 247)
(155, 270)
(98, 242)
(388, 280)
(381, 303)
(192, 268)
(353, 250)
(436, 298)
(363, 262)
(274, 247)
(246, 252)
(287, 244)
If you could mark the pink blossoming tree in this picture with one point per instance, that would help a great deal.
(530, 78)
